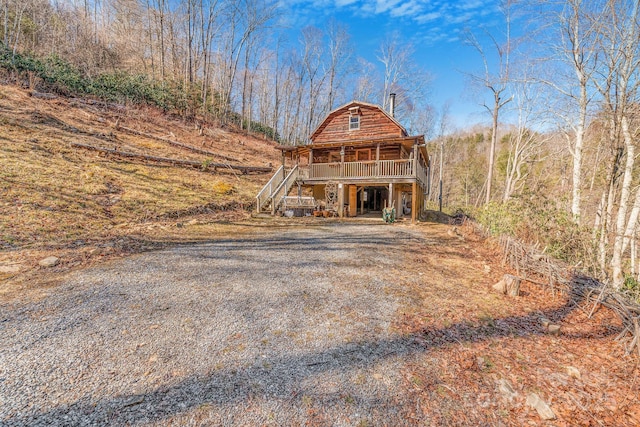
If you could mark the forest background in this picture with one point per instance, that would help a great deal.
(554, 163)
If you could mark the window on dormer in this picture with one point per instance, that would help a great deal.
(354, 122)
(354, 118)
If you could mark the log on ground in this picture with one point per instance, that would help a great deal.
(509, 285)
(190, 163)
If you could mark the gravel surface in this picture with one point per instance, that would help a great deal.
(286, 327)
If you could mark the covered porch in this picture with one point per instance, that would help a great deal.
(376, 160)
(355, 199)
(378, 172)
(367, 175)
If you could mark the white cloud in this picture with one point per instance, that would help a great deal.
(470, 4)
(383, 6)
(428, 17)
(425, 14)
(342, 3)
(462, 18)
(410, 8)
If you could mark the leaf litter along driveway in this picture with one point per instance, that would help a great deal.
(311, 325)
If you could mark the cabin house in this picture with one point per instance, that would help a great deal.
(360, 160)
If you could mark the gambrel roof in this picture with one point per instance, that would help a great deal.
(346, 107)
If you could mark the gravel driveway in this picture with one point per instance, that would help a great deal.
(283, 327)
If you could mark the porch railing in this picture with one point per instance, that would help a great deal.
(421, 174)
(369, 169)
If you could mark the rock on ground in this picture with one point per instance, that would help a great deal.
(50, 261)
(543, 409)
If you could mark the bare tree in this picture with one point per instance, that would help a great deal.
(578, 40)
(161, 4)
(243, 18)
(312, 61)
(410, 83)
(340, 54)
(367, 84)
(395, 56)
(621, 37)
(210, 26)
(496, 82)
(573, 52)
(443, 125)
(524, 145)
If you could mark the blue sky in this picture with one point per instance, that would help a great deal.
(434, 28)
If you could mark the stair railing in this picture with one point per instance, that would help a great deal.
(267, 191)
(283, 189)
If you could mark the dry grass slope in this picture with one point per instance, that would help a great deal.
(54, 196)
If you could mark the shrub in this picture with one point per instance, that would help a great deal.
(60, 76)
(631, 287)
(222, 188)
(498, 218)
(256, 127)
(538, 220)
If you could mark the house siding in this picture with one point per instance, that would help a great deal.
(373, 124)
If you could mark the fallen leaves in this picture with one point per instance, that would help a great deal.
(497, 352)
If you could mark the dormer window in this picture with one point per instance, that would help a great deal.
(354, 118)
(354, 122)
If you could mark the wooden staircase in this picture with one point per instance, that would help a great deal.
(273, 193)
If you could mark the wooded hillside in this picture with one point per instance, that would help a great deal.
(218, 60)
(557, 166)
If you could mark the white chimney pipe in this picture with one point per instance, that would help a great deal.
(392, 104)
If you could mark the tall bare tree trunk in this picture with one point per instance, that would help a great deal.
(497, 83)
(494, 141)
(578, 147)
(161, 12)
(621, 219)
(189, 67)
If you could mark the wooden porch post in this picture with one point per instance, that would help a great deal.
(414, 202)
(340, 200)
(414, 185)
(310, 156)
(378, 159)
(353, 198)
(390, 194)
